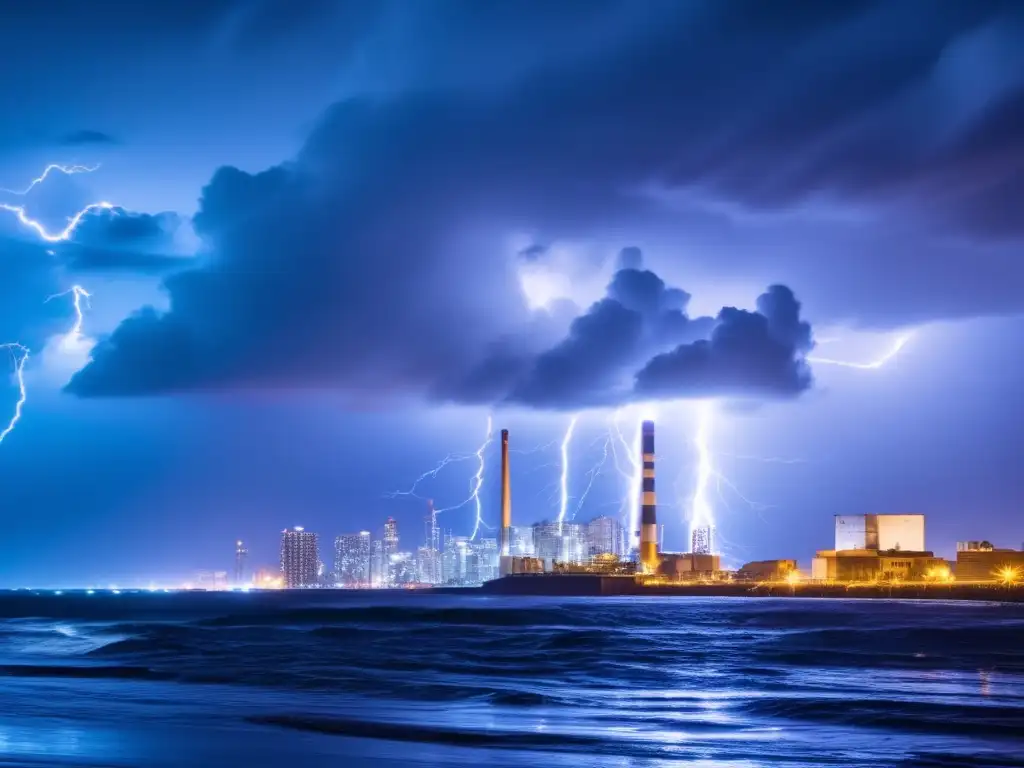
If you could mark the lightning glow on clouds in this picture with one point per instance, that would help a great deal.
(897, 345)
(20, 354)
(73, 221)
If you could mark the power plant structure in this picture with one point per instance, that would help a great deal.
(648, 505)
(505, 538)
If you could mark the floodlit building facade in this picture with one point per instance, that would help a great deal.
(766, 570)
(299, 560)
(868, 565)
(990, 565)
(880, 532)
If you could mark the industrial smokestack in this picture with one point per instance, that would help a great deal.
(506, 498)
(648, 505)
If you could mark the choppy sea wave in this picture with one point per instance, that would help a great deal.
(376, 678)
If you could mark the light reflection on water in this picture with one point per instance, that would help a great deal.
(382, 680)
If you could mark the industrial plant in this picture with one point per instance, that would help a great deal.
(604, 556)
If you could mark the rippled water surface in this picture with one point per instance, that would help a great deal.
(381, 679)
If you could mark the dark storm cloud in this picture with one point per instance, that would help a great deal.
(118, 240)
(117, 227)
(749, 354)
(86, 137)
(373, 261)
(640, 332)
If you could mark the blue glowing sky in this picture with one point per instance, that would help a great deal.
(346, 233)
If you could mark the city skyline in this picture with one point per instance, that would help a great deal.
(283, 308)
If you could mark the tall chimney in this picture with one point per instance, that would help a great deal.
(648, 505)
(506, 498)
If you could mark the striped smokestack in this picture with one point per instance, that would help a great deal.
(648, 505)
(506, 498)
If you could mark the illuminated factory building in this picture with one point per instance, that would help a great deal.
(880, 532)
(299, 561)
(877, 548)
(980, 561)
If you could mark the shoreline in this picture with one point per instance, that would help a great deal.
(587, 585)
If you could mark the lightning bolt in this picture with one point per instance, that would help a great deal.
(630, 467)
(20, 354)
(64, 234)
(564, 478)
(478, 479)
(701, 513)
(475, 483)
(67, 170)
(73, 221)
(79, 293)
(593, 472)
(898, 344)
(451, 458)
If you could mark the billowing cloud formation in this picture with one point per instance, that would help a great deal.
(749, 354)
(119, 228)
(374, 261)
(117, 240)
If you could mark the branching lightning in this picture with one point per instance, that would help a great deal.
(475, 483)
(478, 479)
(79, 293)
(564, 481)
(73, 221)
(630, 466)
(592, 474)
(701, 513)
(898, 344)
(67, 170)
(701, 509)
(20, 354)
(64, 234)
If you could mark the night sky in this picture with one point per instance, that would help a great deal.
(345, 233)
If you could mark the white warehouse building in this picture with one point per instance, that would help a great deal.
(880, 532)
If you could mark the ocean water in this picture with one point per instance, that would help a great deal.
(379, 679)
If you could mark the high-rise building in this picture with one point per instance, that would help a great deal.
(432, 537)
(390, 549)
(428, 566)
(390, 536)
(352, 560)
(605, 536)
(454, 566)
(402, 567)
(378, 571)
(299, 560)
(487, 559)
(702, 541)
(241, 556)
(429, 556)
